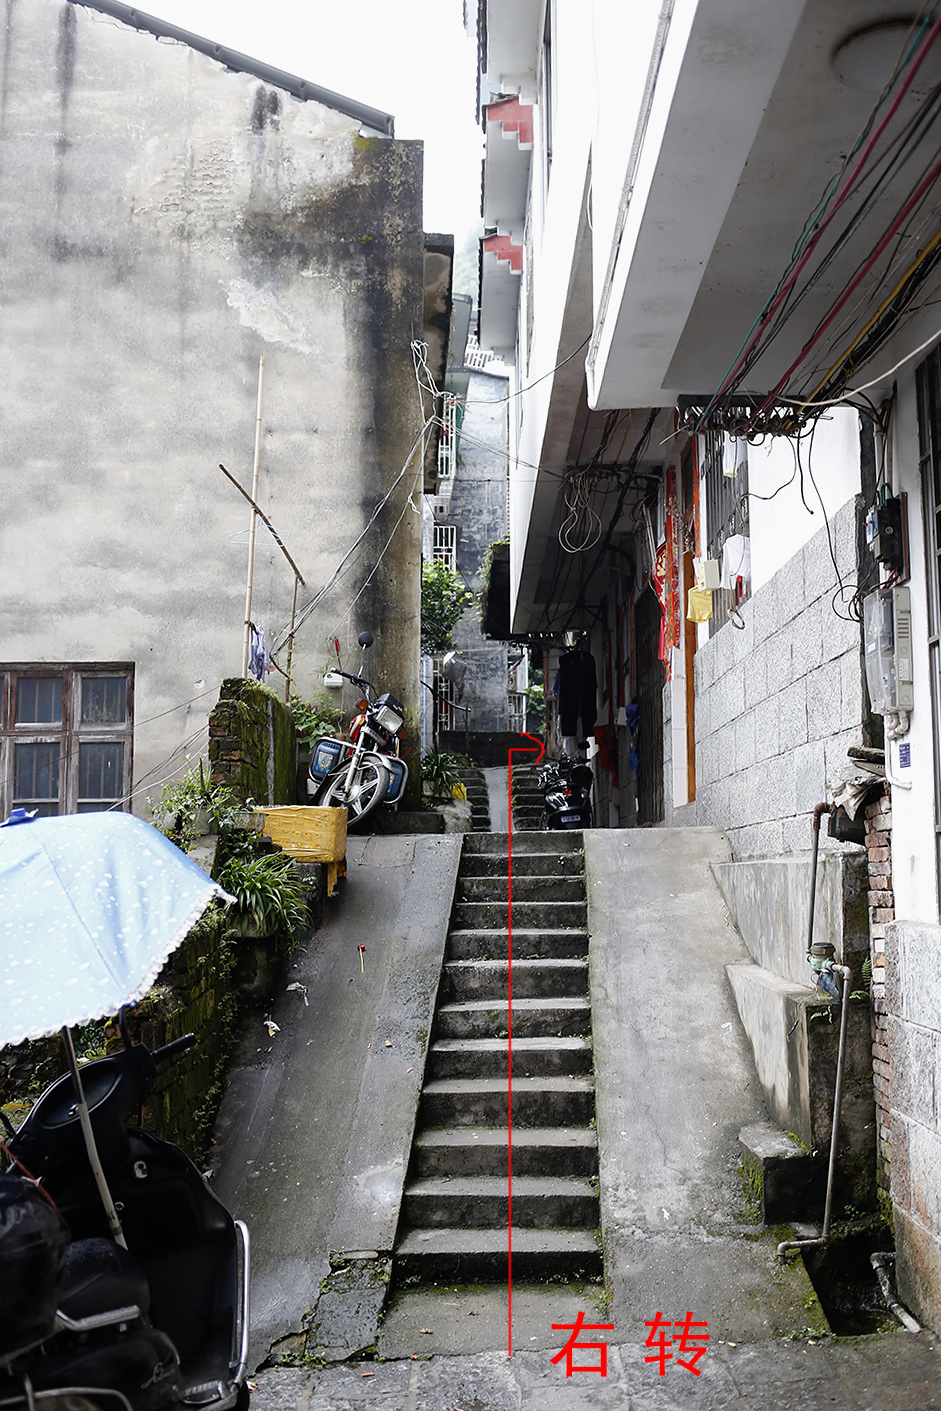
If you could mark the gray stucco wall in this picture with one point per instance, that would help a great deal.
(478, 509)
(778, 703)
(164, 222)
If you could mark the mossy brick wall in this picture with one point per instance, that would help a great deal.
(194, 992)
(881, 914)
(28, 1068)
(252, 743)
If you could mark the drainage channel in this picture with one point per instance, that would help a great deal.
(455, 1212)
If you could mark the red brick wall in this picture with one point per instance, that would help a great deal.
(881, 912)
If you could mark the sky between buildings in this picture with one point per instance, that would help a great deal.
(410, 58)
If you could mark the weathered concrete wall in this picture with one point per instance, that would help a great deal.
(478, 509)
(164, 223)
(913, 1027)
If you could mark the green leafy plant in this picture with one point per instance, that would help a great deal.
(182, 802)
(439, 772)
(313, 718)
(267, 894)
(444, 599)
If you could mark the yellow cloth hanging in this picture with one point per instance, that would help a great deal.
(699, 605)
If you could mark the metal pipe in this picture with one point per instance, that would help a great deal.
(878, 1262)
(819, 811)
(81, 1108)
(824, 1235)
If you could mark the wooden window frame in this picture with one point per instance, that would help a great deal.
(69, 733)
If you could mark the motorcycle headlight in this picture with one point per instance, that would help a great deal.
(389, 720)
(389, 714)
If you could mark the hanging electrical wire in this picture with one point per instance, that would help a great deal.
(895, 277)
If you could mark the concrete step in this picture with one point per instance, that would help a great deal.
(537, 1151)
(525, 888)
(539, 1202)
(488, 1058)
(482, 1019)
(530, 915)
(468, 1256)
(525, 864)
(466, 980)
(530, 842)
(482, 1102)
(527, 944)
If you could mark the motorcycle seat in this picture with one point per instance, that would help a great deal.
(99, 1276)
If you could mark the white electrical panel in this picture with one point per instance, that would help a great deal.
(887, 627)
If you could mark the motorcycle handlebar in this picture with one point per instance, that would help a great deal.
(359, 680)
(175, 1046)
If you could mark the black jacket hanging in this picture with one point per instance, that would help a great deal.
(578, 692)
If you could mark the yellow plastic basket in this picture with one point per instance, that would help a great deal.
(309, 834)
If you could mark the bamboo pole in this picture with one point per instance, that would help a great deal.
(261, 515)
(254, 520)
(287, 684)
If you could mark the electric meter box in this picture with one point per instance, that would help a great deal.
(887, 629)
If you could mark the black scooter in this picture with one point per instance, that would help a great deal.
(160, 1323)
(566, 787)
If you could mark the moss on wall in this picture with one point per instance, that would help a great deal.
(252, 743)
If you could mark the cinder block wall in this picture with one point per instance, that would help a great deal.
(913, 1028)
(778, 703)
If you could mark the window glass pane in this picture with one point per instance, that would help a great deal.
(100, 772)
(36, 774)
(39, 700)
(104, 700)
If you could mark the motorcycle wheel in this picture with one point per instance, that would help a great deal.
(369, 789)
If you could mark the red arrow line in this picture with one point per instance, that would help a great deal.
(509, 1024)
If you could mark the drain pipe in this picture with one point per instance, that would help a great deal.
(829, 967)
(819, 811)
(878, 1262)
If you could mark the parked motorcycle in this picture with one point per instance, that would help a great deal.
(364, 771)
(160, 1323)
(566, 787)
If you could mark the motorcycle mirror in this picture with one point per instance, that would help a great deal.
(365, 639)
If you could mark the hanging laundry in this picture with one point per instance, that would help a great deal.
(699, 605)
(736, 562)
(578, 693)
(259, 658)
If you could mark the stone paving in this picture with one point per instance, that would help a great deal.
(895, 1371)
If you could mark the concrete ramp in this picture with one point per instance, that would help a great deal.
(316, 1126)
(675, 1085)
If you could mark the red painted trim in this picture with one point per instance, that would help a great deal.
(502, 246)
(514, 116)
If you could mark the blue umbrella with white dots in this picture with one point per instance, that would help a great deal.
(91, 906)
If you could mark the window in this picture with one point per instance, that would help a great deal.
(443, 688)
(444, 546)
(65, 738)
(724, 492)
(516, 712)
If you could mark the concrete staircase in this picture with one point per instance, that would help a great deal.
(454, 1218)
(477, 796)
(527, 797)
